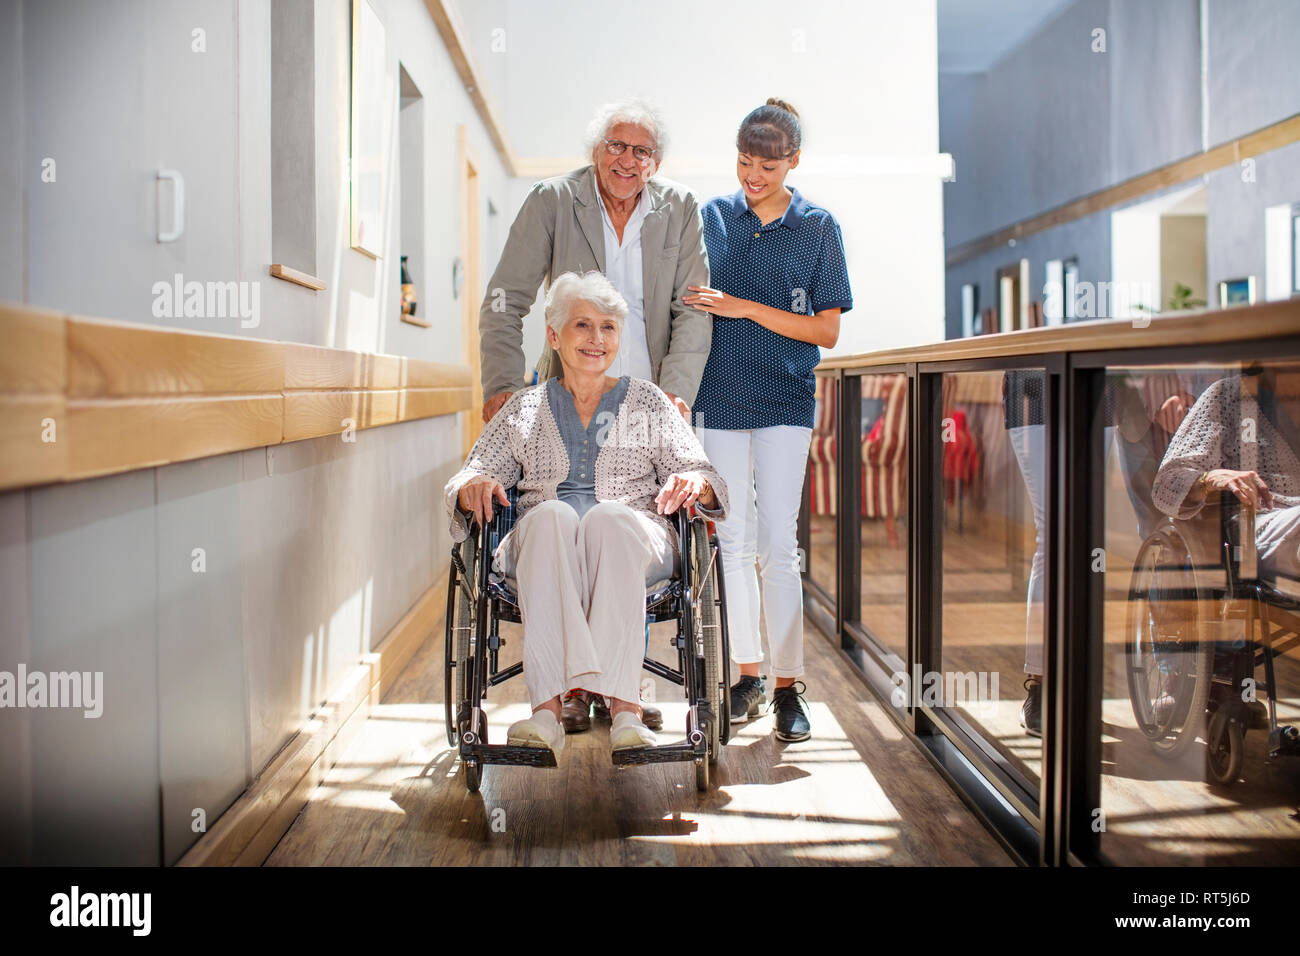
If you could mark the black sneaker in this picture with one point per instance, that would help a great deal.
(746, 697)
(792, 724)
(1031, 712)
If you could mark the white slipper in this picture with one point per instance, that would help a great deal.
(540, 730)
(627, 732)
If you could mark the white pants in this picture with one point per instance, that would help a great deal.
(581, 587)
(1277, 534)
(1029, 442)
(764, 471)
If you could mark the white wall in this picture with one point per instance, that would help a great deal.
(112, 92)
(314, 549)
(862, 74)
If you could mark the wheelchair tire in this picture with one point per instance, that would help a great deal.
(472, 767)
(707, 620)
(724, 736)
(460, 624)
(1225, 747)
(1168, 663)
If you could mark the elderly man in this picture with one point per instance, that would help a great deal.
(645, 235)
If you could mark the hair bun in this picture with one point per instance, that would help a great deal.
(782, 104)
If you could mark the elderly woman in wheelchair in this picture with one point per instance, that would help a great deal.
(598, 463)
(1230, 484)
(1235, 441)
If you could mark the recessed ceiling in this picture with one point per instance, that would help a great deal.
(976, 34)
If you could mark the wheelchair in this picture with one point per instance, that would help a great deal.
(1200, 622)
(478, 599)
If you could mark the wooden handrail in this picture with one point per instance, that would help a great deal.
(1268, 320)
(81, 398)
(1275, 136)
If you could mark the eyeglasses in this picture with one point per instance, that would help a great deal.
(643, 154)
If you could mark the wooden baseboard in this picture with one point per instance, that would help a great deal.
(247, 833)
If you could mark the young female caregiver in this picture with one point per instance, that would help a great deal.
(779, 284)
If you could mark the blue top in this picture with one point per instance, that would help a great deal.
(756, 378)
(582, 444)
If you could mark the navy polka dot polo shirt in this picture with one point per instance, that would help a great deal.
(756, 378)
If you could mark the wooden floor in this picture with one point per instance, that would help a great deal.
(1159, 811)
(858, 792)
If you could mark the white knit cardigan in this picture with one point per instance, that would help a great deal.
(647, 441)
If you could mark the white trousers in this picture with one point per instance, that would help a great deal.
(1029, 442)
(1277, 535)
(581, 587)
(764, 471)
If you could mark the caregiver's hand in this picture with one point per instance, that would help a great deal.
(719, 303)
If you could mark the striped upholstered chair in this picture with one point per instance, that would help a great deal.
(884, 450)
(821, 451)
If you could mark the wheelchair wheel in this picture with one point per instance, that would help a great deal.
(1226, 747)
(473, 769)
(702, 774)
(1168, 661)
(460, 624)
(724, 736)
(707, 618)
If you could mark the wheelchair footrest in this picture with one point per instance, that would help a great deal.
(513, 756)
(670, 753)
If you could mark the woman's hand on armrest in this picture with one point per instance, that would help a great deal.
(683, 490)
(1250, 489)
(476, 495)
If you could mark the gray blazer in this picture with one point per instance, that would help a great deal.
(559, 230)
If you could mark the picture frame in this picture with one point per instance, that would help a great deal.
(1235, 292)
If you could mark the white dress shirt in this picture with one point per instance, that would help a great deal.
(623, 269)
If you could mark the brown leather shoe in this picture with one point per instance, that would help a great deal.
(576, 712)
(599, 707)
(652, 717)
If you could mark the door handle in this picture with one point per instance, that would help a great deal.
(178, 206)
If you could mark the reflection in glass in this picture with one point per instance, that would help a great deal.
(823, 491)
(993, 462)
(884, 509)
(1202, 618)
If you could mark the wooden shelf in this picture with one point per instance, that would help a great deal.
(299, 278)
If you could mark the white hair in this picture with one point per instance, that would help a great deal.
(638, 112)
(590, 287)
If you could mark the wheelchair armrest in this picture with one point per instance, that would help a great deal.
(683, 525)
(1242, 556)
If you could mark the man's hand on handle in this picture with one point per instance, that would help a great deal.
(683, 409)
(493, 405)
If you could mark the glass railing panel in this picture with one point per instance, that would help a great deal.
(884, 518)
(993, 473)
(823, 486)
(1200, 763)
